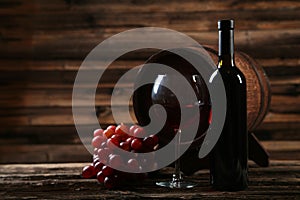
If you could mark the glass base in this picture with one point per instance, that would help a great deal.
(177, 184)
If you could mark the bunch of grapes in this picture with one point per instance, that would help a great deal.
(106, 144)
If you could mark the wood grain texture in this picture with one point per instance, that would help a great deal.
(43, 43)
(63, 181)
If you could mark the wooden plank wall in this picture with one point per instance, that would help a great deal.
(42, 44)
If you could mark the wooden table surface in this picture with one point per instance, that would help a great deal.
(63, 181)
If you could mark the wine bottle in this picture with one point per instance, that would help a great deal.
(229, 157)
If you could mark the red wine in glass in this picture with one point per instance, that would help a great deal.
(162, 95)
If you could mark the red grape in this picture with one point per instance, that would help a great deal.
(110, 182)
(100, 177)
(95, 150)
(112, 143)
(103, 154)
(139, 132)
(149, 143)
(155, 139)
(88, 171)
(149, 163)
(125, 146)
(97, 141)
(103, 145)
(98, 132)
(108, 133)
(107, 171)
(115, 161)
(133, 164)
(136, 144)
(112, 127)
(129, 140)
(132, 129)
(122, 129)
(117, 137)
(95, 159)
(98, 166)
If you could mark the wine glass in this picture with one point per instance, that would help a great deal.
(164, 96)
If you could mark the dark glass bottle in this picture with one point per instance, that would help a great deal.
(229, 157)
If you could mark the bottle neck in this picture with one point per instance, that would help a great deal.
(226, 48)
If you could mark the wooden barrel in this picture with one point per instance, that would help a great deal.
(258, 87)
(258, 101)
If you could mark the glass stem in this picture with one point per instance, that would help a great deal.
(177, 176)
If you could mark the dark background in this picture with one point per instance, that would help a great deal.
(42, 44)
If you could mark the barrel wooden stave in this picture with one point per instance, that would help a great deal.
(258, 87)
